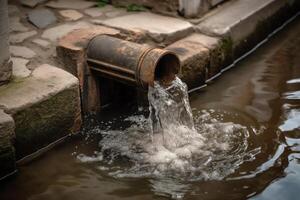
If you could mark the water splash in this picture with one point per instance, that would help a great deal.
(169, 143)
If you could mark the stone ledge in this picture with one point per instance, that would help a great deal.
(45, 107)
(244, 23)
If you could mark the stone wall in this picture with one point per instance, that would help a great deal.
(5, 63)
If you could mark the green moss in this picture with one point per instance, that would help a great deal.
(226, 49)
(135, 8)
(102, 3)
(11, 86)
(45, 122)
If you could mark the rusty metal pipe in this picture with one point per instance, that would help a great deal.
(130, 62)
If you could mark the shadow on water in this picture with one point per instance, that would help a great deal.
(247, 146)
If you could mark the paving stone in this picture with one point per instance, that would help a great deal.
(194, 58)
(94, 12)
(32, 3)
(7, 154)
(74, 4)
(12, 10)
(21, 51)
(42, 43)
(45, 107)
(16, 26)
(20, 37)
(19, 67)
(54, 33)
(41, 18)
(158, 27)
(72, 15)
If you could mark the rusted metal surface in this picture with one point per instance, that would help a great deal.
(130, 62)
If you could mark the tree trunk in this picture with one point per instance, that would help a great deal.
(5, 63)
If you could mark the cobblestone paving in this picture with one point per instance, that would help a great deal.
(36, 34)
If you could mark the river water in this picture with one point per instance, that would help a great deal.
(243, 142)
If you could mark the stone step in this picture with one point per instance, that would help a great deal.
(244, 23)
(45, 107)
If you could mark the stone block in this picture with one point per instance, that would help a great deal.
(194, 58)
(48, 110)
(244, 23)
(71, 51)
(7, 153)
(159, 28)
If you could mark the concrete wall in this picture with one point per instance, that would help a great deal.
(5, 64)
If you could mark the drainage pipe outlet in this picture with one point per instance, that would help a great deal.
(131, 63)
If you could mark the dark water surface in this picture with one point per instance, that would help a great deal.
(260, 96)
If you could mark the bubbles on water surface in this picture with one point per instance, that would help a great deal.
(175, 144)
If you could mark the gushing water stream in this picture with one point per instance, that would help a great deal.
(169, 145)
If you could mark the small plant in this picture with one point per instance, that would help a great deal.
(102, 3)
(135, 8)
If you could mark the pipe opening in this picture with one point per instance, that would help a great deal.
(166, 68)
